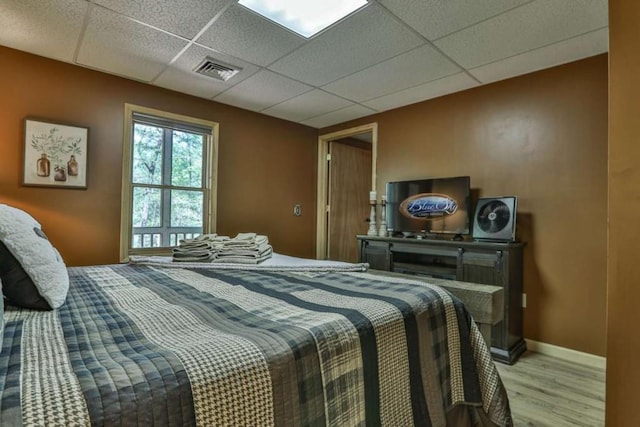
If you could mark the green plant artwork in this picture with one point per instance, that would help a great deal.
(55, 155)
(55, 146)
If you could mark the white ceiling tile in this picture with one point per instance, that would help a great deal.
(307, 105)
(434, 89)
(244, 34)
(377, 58)
(181, 77)
(404, 71)
(184, 18)
(262, 90)
(436, 18)
(46, 28)
(200, 86)
(361, 40)
(339, 116)
(528, 27)
(583, 46)
(122, 46)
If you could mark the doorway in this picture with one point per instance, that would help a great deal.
(346, 173)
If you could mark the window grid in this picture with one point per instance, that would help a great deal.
(166, 235)
(200, 151)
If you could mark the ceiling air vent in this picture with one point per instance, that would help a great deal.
(217, 69)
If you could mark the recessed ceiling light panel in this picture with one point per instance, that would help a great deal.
(305, 17)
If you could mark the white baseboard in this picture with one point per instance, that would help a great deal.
(567, 354)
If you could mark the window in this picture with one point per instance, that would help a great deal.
(168, 184)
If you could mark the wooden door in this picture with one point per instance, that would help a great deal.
(349, 186)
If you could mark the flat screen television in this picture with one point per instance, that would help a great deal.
(429, 206)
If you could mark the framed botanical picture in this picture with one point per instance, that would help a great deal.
(55, 155)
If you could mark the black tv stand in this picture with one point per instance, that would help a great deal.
(487, 263)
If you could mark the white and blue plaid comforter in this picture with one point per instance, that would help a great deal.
(146, 345)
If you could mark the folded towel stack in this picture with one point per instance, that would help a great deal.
(200, 249)
(245, 248)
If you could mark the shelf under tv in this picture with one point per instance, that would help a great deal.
(437, 271)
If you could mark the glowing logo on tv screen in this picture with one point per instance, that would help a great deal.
(428, 206)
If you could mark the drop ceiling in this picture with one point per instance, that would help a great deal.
(388, 54)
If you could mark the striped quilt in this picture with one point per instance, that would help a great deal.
(139, 345)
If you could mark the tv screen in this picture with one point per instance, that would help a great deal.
(437, 205)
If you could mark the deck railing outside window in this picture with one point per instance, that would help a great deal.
(157, 237)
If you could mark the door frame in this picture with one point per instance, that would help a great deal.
(323, 177)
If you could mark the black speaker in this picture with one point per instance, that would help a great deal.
(495, 219)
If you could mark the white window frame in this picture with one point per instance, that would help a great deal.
(211, 181)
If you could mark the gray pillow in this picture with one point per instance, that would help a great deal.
(32, 272)
(19, 288)
(1, 316)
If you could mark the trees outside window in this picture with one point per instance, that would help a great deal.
(168, 181)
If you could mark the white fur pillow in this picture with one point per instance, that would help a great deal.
(23, 238)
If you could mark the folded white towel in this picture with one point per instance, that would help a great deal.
(244, 246)
(202, 256)
(246, 243)
(266, 251)
(232, 259)
(179, 251)
(206, 238)
(193, 246)
(245, 236)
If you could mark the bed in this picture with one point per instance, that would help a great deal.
(160, 344)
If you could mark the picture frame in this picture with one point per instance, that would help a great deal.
(55, 155)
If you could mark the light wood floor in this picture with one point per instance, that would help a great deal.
(546, 391)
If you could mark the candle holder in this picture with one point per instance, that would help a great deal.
(372, 219)
(382, 230)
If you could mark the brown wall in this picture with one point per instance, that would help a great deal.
(266, 165)
(623, 313)
(542, 137)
